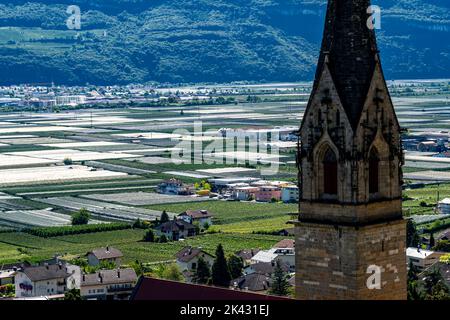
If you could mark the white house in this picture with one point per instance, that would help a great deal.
(444, 206)
(203, 217)
(245, 193)
(290, 194)
(47, 280)
(108, 254)
(187, 260)
(283, 251)
(422, 259)
(7, 277)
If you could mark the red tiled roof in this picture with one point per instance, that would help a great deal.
(197, 214)
(286, 243)
(188, 253)
(106, 253)
(157, 289)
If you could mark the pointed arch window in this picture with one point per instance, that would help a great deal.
(330, 173)
(374, 172)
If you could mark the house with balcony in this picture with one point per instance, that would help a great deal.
(284, 251)
(245, 193)
(46, 280)
(108, 284)
(268, 193)
(176, 229)
(422, 259)
(202, 217)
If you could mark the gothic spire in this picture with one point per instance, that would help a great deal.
(351, 49)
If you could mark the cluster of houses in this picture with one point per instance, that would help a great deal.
(259, 265)
(239, 189)
(51, 279)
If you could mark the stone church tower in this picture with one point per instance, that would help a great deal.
(350, 237)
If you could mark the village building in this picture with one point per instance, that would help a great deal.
(246, 255)
(187, 260)
(107, 255)
(108, 284)
(202, 217)
(283, 251)
(430, 146)
(255, 282)
(245, 193)
(422, 259)
(47, 280)
(176, 230)
(7, 277)
(222, 184)
(268, 194)
(174, 187)
(267, 268)
(290, 194)
(444, 206)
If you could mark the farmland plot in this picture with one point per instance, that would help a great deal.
(35, 218)
(53, 174)
(105, 209)
(419, 219)
(75, 155)
(142, 198)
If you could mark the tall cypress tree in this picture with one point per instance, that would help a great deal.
(432, 241)
(220, 274)
(412, 237)
(202, 273)
(280, 283)
(164, 217)
(235, 265)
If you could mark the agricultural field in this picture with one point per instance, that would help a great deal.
(54, 174)
(119, 156)
(258, 225)
(131, 182)
(423, 200)
(20, 246)
(229, 212)
(104, 210)
(142, 198)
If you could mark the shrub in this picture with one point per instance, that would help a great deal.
(81, 217)
(163, 239)
(149, 236)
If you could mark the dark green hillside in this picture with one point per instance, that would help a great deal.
(125, 41)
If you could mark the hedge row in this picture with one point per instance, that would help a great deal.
(48, 232)
(435, 226)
